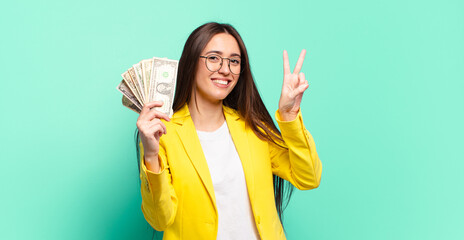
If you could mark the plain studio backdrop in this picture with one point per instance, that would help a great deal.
(385, 106)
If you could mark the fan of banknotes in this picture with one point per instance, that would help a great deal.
(149, 80)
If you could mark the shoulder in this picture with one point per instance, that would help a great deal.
(181, 122)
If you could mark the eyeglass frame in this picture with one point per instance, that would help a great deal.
(222, 61)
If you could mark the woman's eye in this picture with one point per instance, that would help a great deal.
(235, 61)
(213, 58)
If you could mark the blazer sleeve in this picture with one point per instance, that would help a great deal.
(297, 160)
(159, 200)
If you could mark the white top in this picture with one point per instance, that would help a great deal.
(234, 211)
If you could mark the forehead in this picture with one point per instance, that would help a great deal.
(224, 43)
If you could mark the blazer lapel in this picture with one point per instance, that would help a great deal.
(239, 135)
(192, 146)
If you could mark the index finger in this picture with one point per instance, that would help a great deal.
(299, 64)
(286, 63)
(150, 105)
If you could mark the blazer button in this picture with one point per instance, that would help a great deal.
(258, 219)
(146, 185)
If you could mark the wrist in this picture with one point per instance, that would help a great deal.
(288, 115)
(152, 163)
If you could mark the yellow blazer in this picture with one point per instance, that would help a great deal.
(180, 199)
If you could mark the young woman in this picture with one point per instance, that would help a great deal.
(214, 170)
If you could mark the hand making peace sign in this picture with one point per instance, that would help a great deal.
(292, 89)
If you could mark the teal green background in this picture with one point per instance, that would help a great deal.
(385, 106)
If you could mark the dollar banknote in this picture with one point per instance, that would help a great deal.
(128, 95)
(147, 66)
(127, 103)
(131, 85)
(150, 80)
(138, 75)
(136, 83)
(164, 75)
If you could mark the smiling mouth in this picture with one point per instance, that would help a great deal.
(224, 82)
(221, 82)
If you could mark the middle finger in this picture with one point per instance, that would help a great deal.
(299, 64)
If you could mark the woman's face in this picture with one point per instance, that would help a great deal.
(215, 86)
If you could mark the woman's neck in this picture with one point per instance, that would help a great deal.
(206, 116)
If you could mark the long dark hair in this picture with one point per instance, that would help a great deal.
(244, 97)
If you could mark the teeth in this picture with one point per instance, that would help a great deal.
(224, 82)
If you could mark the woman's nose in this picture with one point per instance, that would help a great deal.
(224, 68)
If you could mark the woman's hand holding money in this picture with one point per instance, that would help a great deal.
(151, 129)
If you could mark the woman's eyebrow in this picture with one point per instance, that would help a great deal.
(220, 53)
(214, 51)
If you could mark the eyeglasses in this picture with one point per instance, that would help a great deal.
(214, 63)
